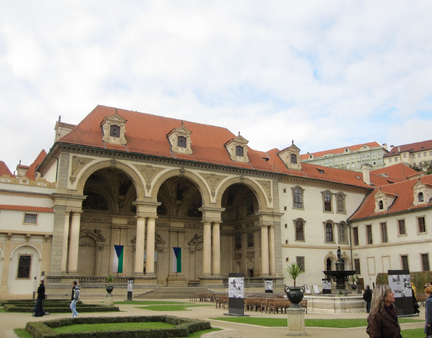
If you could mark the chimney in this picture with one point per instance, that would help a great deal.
(385, 146)
(366, 173)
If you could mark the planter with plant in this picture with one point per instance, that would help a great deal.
(110, 280)
(294, 293)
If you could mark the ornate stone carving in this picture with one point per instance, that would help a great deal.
(237, 255)
(266, 185)
(213, 181)
(250, 254)
(95, 219)
(193, 225)
(95, 234)
(39, 182)
(148, 172)
(195, 240)
(77, 164)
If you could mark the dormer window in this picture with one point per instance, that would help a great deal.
(237, 149)
(113, 128)
(290, 157)
(180, 140)
(422, 192)
(384, 201)
(115, 131)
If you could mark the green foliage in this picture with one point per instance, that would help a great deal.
(22, 333)
(294, 270)
(418, 278)
(111, 279)
(60, 306)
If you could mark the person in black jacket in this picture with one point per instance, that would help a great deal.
(367, 297)
(39, 311)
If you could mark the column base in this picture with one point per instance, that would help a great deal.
(176, 280)
(296, 322)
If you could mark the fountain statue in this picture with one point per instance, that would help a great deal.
(340, 275)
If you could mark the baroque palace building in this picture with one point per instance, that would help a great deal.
(186, 204)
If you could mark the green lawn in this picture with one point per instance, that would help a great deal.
(172, 307)
(280, 322)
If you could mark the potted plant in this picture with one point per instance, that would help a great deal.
(110, 280)
(294, 293)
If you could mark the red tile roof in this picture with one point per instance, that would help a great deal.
(340, 150)
(31, 172)
(411, 147)
(403, 202)
(147, 134)
(25, 208)
(392, 174)
(4, 170)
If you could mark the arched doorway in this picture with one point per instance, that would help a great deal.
(109, 217)
(241, 206)
(179, 226)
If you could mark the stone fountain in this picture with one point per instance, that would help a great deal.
(340, 276)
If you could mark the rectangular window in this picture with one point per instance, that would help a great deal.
(421, 224)
(239, 151)
(327, 202)
(384, 232)
(356, 237)
(369, 234)
(340, 203)
(425, 262)
(24, 266)
(357, 266)
(30, 219)
(404, 155)
(301, 262)
(405, 265)
(401, 224)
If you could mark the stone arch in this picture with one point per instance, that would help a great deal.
(197, 180)
(127, 169)
(29, 245)
(256, 189)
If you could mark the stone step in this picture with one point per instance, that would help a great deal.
(168, 292)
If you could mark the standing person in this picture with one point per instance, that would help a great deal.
(367, 297)
(39, 311)
(74, 299)
(428, 311)
(382, 319)
(414, 299)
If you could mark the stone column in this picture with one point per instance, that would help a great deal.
(65, 243)
(74, 242)
(216, 249)
(151, 221)
(272, 251)
(264, 251)
(207, 249)
(139, 246)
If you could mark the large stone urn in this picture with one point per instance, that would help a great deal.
(295, 295)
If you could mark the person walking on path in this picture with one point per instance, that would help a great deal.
(74, 299)
(428, 311)
(367, 297)
(39, 311)
(382, 320)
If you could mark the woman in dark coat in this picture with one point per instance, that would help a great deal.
(39, 311)
(428, 311)
(382, 319)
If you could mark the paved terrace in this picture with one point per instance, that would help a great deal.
(10, 321)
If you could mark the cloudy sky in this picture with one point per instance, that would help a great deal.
(325, 74)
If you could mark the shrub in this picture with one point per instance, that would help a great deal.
(183, 327)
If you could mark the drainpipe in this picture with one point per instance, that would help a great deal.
(350, 240)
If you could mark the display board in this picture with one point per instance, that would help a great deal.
(268, 286)
(236, 294)
(400, 282)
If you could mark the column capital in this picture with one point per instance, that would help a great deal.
(146, 208)
(211, 214)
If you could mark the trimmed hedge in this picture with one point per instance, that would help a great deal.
(56, 307)
(183, 327)
(418, 278)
